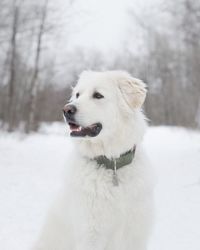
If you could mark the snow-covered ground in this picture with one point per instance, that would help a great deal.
(31, 172)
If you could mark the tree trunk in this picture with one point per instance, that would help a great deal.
(34, 81)
(12, 77)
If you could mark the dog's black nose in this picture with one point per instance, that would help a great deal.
(69, 111)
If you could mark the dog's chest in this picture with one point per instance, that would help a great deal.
(95, 201)
(96, 207)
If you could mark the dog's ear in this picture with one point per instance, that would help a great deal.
(133, 91)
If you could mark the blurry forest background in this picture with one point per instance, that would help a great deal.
(44, 45)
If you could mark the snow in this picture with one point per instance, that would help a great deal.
(175, 154)
(31, 172)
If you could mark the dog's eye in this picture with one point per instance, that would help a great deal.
(97, 95)
(77, 95)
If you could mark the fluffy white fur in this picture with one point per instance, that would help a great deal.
(92, 213)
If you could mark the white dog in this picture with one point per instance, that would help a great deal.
(107, 203)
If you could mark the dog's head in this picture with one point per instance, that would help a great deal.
(103, 103)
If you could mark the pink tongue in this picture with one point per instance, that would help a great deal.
(76, 129)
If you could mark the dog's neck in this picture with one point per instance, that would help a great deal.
(115, 145)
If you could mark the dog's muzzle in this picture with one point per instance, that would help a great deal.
(76, 130)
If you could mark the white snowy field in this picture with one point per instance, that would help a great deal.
(31, 172)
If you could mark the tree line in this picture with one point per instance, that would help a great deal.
(30, 92)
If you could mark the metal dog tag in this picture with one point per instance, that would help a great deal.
(115, 177)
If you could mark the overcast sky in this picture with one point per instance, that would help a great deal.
(102, 24)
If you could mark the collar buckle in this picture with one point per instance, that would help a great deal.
(116, 163)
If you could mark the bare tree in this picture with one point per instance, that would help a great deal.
(13, 55)
(34, 81)
(171, 66)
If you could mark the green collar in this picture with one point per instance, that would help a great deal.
(116, 163)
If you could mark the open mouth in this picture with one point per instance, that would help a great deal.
(77, 130)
